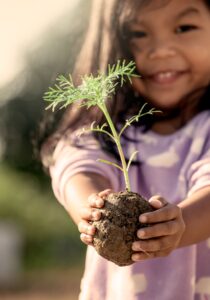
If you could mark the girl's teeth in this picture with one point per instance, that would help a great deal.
(165, 75)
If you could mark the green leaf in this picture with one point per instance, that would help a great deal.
(131, 159)
(110, 163)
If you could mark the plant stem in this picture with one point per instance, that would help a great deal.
(118, 144)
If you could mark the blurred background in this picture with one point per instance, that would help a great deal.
(41, 256)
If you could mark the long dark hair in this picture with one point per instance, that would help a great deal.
(104, 44)
(106, 41)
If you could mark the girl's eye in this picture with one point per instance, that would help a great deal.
(185, 28)
(137, 34)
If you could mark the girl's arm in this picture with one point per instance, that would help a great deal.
(196, 215)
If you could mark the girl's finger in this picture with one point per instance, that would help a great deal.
(104, 193)
(157, 201)
(87, 239)
(154, 245)
(95, 200)
(167, 213)
(158, 230)
(90, 214)
(143, 255)
(85, 227)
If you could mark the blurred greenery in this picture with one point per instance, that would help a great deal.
(50, 237)
(48, 231)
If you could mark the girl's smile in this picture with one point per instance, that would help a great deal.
(165, 78)
(170, 43)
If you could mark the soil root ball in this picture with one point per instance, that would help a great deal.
(117, 228)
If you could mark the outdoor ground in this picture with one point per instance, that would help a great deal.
(46, 285)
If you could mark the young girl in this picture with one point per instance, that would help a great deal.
(169, 40)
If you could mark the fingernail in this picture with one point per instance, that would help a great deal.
(95, 215)
(90, 230)
(135, 247)
(134, 257)
(141, 233)
(99, 202)
(156, 202)
(143, 219)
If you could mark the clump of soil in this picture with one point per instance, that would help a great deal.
(117, 228)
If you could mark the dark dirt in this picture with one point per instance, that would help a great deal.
(117, 228)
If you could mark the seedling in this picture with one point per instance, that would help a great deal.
(96, 91)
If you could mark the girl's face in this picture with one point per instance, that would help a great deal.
(170, 43)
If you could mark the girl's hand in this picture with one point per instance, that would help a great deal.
(91, 213)
(164, 233)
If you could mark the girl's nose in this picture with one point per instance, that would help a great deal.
(162, 49)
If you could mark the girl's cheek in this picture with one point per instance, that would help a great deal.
(139, 47)
(136, 50)
(137, 84)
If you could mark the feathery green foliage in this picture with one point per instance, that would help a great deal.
(95, 91)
